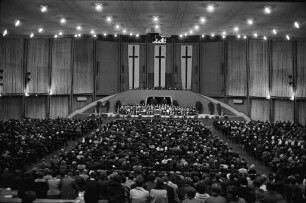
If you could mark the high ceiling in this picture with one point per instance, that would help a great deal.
(175, 17)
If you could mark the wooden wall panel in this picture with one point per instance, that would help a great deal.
(259, 68)
(260, 109)
(61, 66)
(36, 107)
(107, 75)
(11, 62)
(283, 110)
(10, 107)
(59, 106)
(37, 65)
(302, 112)
(83, 66)
(211, 70)
(281, 68)
(301, 69)
(236, 68)
(79, 104)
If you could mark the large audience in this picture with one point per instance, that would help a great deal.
(161, 109)
(280, 145)
(153, 160)
(28, 140)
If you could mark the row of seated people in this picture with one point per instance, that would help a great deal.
(189, 162)
(280, 145)
(28, 140)
(159, 88)
(160, 109)
(242, 186)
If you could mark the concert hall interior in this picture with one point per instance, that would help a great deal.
(187, 101)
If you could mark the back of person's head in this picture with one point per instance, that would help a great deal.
(151, 177)
(190, 192)
(232, 193)
(139, 181)
(271, 186)
(216, 188)
(28, 196)
(40, 175)
(201, 187)
(159, 184)
(92, 174)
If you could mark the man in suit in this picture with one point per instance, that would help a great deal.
(91, 189)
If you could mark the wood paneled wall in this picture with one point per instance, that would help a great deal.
(69, 68)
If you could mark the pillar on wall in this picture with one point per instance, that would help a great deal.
(225, 44)
(71, 69)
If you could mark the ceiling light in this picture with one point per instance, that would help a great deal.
(99, 7)
(203, 36)
(250, 21)
(238, 36)
(4, 33)
(117, 27)
(92, 31)
(236, 29)
(181, 36)
(17, 23)
(124, 31)
(185, 34)
(296, 24)
(44, 9)
(63, 20)
(131, 34)
(224, 33)
(79, 27)
(264, 37)
(191, 31)
(155, 19)
(255, 35)
(244, 37)
(60, 33)
(196, 27)
(267, 9)
(79, 35)
(202, 20)
(32, 35)
(274, 31)
(104, 34)
(109, 19)
(212, 35)
(55, 36)
(137, 35)
(115, 35)
(75, 35)
(40, 29)
(287, 37)
(94, 35)
(223, 36)
(156, 26)
(210, 8)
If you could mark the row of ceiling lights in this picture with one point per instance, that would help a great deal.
(99, 7)
(211, 8)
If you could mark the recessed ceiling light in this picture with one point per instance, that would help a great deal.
(223, 36)
(55, 36)
(296, 24)
(255, 35)
(4, 33)
(117, 26)
(99, 7)
(115, 35)
(212, 35)
(131, 34)
(267, 9)
(124, 31)
(274, 31)
(94, 35)
(203, 36)
(250, 21)
(32, 35)
(109, 19)
(202, 20)
(238, 36)
(191, 31)
(60, 33)
(196, 27)
(79, 27)
(92, 31)
(40, 29)
(63, 20)
(244, 37)
(236, 29)
(156, 26)
(104, 34)
(75, 35)
(185, 34)
(181, 36)
(287, 37)
(210, 8)
(17, 23)
(79, 35)
(155, 19)
(137, 35)
(224, 33)
(44, 8)
(264, 37)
